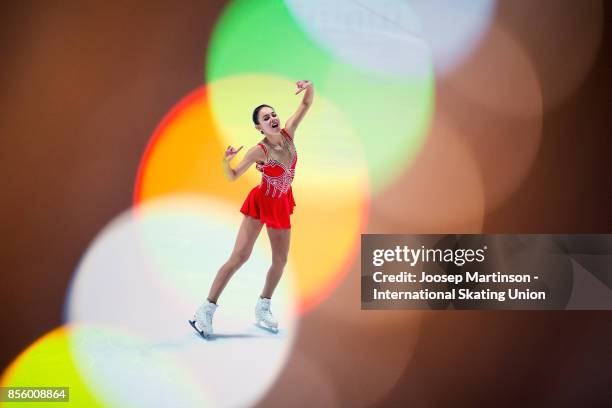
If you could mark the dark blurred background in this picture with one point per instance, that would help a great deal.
(85, 84)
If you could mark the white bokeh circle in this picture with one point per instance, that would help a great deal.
(148, 270)
(453, 29)
(379, 36)
(396, 37)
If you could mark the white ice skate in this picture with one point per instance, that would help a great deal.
(263, 316)
(202, 319)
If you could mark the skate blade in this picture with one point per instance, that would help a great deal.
(266, 328)
(200, 332)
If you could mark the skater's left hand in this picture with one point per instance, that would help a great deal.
(302, 85)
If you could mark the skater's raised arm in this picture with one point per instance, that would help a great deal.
(255, 154)
(296, 118)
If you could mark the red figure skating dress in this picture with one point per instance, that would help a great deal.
(272, 202)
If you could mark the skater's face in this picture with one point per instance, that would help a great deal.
(268, 121)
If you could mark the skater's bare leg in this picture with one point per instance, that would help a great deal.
(247, 235)
(279, 241)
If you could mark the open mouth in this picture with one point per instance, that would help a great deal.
(274, 124)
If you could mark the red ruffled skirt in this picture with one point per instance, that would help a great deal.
(273, 212)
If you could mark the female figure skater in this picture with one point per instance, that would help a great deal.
(269, 203)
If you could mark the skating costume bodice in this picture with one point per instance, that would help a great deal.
(276, 176)
(272, 200)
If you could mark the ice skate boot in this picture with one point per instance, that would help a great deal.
(202, 319)
(263, 316)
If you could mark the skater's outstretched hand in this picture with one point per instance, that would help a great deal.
(254, 155)
(230, 152)
(303, 85)
(296, 118)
